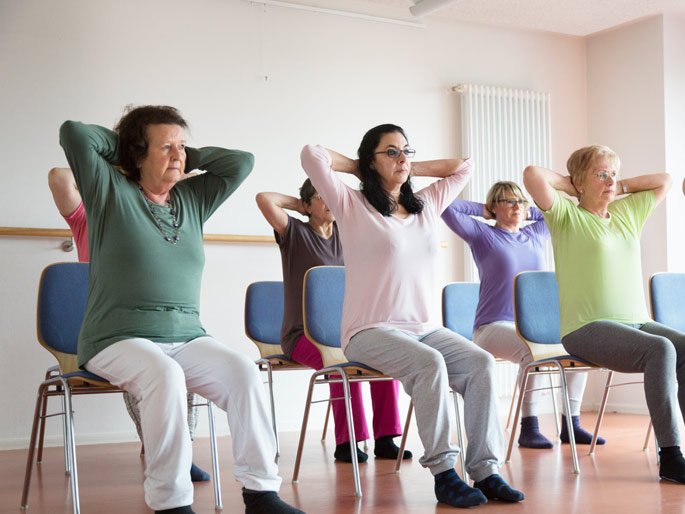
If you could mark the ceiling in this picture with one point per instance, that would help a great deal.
(571, 17)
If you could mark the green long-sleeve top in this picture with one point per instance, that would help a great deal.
(140, 284)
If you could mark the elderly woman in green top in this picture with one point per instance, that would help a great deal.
(597, 254)
(142, 330)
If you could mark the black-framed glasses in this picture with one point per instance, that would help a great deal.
(394, 153)
(604, 175)
(511, 202)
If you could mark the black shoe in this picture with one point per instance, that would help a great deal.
(177, 510)
(385, 448)
(198, 475)
(266, 502)
(343, 454)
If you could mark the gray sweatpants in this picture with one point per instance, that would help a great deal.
(426, 366)
(653, 349)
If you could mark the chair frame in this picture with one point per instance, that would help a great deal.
(468, 334)
(64, 382)
(552, 362)
(271, 358)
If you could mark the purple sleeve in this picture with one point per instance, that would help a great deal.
(459, 220)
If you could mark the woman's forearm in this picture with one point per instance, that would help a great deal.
(439, 168)
(343, 164)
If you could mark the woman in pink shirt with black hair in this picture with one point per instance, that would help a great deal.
(390, 244)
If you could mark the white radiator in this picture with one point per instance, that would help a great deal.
(503, 130)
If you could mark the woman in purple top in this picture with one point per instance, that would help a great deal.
(501, 252)
(304, 245)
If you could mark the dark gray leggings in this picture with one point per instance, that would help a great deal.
(653, 349)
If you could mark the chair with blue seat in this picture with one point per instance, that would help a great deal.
(323, 295)
(459, 305)
(263, 320)
(536, 309)
(666, 299)
(62, 296)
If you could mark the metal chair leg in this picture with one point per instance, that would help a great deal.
(215, 458)
(600, 414)
(305, 419)
(351, 433)
(269, 374)
(522, 391)
(511, 405)
(325, 423)
(649, 434)
(398, 462)
(569, 422)
(32, 446)
(554, 405)
(69, 415)
(460, 436)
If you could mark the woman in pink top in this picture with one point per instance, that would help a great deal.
(390, 321)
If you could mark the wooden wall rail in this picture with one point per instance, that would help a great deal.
(65, 232)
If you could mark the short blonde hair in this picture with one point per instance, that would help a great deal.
(497, 192)
(582, 161)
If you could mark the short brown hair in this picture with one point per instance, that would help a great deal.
(497, 192)
(132, 131)
(583, 159)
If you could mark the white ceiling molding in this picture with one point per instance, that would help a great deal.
(426, 7)
(312, 8)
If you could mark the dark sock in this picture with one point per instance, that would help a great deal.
(672, 464)
(198, 474)
(494, 488)
(582, 436)
(530, 436)
(266, 502)
(452, 490)
(385, 448)
(176, 510)
(342, 453)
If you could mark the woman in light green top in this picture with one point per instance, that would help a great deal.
(597, 255)
(142, 329)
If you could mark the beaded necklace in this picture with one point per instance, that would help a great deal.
(173, 239)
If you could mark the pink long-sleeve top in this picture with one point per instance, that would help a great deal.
(390, 262)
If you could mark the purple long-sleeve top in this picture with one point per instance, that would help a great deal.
(499, 255)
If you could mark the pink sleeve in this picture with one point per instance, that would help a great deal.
(79, 229)
(316, 163)
(442, 193)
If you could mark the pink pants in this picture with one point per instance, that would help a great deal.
(386, 415)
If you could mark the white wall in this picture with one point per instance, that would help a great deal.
(674, 100)
(264, 79)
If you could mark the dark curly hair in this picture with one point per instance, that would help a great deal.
(132, 131)
(371, 187)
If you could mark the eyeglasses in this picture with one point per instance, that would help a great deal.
(604, 175)
(315, 197)
(394, 153)
(511, 202)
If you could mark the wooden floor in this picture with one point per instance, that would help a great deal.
(619, 478)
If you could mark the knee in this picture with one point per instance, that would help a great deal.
(166, 374)
(483, 362)
(662, 350)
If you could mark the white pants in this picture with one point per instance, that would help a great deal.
(157, 374)
(501, 340)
